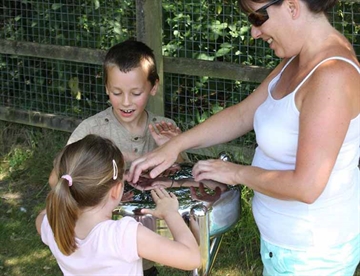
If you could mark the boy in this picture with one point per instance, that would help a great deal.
(130, 77)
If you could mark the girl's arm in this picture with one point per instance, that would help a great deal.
(39, 220)
(183, 251)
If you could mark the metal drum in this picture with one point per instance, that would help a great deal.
(209, 208)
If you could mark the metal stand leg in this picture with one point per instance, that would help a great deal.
(199, 225)
(214, 249)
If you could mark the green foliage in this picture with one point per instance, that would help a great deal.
(346, 19)
(216, 30)
(48, 86)
(88, 24)
(213, 30)
(208, 25)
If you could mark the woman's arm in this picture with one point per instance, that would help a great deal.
(330, 99)
(222, 127)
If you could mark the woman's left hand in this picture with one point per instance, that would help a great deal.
(218, 170)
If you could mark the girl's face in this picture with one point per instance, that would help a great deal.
(129, 93)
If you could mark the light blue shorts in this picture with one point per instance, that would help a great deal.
(341, 260)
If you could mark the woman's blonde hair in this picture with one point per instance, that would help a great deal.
(86, 170)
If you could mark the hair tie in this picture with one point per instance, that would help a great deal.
(68, 178)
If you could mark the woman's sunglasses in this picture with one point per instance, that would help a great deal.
(258, 17)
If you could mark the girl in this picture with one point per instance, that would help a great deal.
(86, 186)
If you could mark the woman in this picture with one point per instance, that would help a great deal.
(305, 114)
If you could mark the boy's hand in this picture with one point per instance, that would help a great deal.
(128, 196)
(202, 195)
(166, 203)
(163, 132)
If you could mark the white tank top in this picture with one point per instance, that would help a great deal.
(335, 216)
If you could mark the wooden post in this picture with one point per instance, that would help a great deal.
(149, 31)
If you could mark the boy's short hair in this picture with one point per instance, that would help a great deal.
(128, 55)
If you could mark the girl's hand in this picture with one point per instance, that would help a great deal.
(218, 170)
(163, 132)
(166, 204)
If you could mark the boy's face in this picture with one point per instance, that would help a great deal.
(129, 93)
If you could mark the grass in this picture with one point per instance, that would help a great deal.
(26, 160)
(26, 156)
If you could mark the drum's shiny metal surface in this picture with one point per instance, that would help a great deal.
(209, 208)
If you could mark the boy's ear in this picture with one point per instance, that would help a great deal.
(154, 88)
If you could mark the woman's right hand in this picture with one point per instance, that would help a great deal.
(156, 161)
(166, 204)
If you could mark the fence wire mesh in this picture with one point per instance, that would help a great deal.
(217, 30)
(52, 86)
(89, 24)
